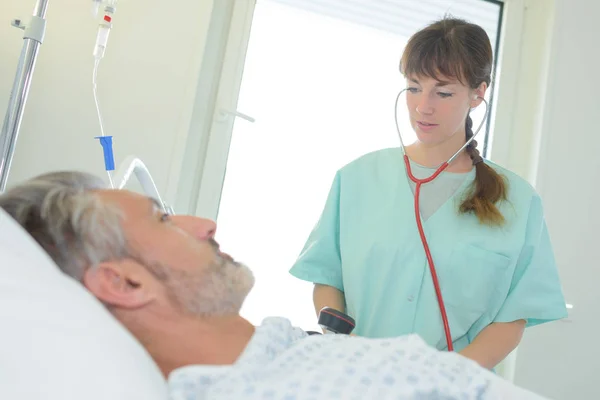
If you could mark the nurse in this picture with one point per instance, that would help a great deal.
(485, 225)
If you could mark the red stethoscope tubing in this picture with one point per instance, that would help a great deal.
(436, 283)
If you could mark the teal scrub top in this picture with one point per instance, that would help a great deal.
(367, 245)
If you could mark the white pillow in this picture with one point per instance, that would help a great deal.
(56, 340)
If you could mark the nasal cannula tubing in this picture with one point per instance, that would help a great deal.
(418, 183)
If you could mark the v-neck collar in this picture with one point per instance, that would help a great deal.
(450, 202)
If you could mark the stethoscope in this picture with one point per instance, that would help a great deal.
(420, 182)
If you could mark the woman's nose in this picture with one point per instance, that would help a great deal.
(424, 106)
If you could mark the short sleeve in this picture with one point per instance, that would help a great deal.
(535, 293)
(319, 261)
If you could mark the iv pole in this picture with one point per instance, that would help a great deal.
(33, 38)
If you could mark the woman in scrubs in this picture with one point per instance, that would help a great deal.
(485, 225)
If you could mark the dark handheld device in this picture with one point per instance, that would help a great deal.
(336, 321)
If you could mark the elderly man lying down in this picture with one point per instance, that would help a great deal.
(166, 280)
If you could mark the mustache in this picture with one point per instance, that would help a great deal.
(214, 244)
(217, 248)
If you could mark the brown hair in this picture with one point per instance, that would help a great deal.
(453, 48)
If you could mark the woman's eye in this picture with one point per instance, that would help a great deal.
(412, 90)
(444, 95)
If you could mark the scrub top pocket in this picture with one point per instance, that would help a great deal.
(472, 283)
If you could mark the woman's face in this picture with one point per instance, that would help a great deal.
(438, 109)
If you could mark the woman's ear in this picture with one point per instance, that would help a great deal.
(478, 94)
(118, 285)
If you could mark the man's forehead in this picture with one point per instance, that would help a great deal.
(130, 202)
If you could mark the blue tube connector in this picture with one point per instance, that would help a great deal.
(109, 159)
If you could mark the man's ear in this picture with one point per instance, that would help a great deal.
(117, 284)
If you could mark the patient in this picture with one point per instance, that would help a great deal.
(166, 280)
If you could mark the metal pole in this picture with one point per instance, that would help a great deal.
(33, 38)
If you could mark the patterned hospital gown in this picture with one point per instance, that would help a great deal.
(284, 363)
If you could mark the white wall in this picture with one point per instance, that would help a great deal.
(147, 83)
(560, 359)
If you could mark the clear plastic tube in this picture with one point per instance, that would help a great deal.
(100, 121)
(101, 40)
(99, 50)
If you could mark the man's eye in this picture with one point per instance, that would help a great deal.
(164, 217)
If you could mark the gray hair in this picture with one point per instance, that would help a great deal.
(62, 212)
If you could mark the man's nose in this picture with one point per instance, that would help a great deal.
(200, 228)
